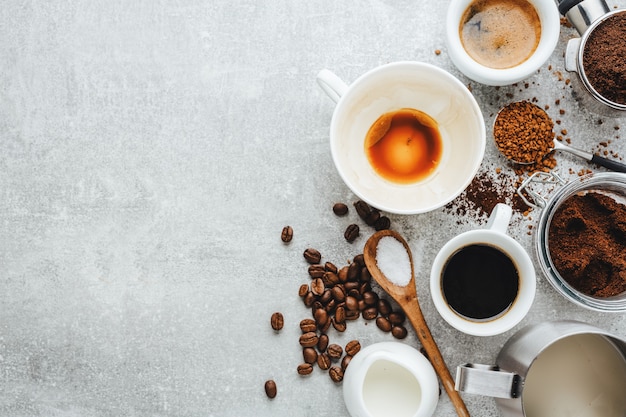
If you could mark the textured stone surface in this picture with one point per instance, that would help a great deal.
(151, 153)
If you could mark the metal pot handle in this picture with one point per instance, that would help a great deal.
(487, 380)
(539, 177)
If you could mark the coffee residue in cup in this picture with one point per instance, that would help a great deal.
(404, 146)
(587, 240)
(604, 58)
(500, 33)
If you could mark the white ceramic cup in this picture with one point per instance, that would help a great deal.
(550, 28)
(390, 379)
(493, 235)
(389, 88)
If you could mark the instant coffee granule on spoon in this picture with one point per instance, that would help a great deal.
(523, 132)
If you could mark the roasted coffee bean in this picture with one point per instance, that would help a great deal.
(352, 286)
(345, 362)
(331, 267)
(399, 331)
(277, 321)
(326, 297)
(362, 305)
(340, 209)
(304, 288)
(353, 347)
(343, 274)
(397, 317)
(383, 324)
(370, 298)
(340, 327)
(308, 299)
(339, 293)
(384, 307)
(362, 208)
(270, 388)
(310, 355)
(317, 286)
(353, 292)
(340, 314)
(331, 306)
(335, 351)
(326, 326)
(287, 234)
(321, 317)
(352, 304)
(312, 256)
(330, 278)
(305, 368)
(316, 271)
(309, 339)
(354, 271)
(383, 223)
(352, 315)
(370, 313)
(365, 287)
(372, 218)
(352, 232)
(359, 260)
(365, 275)
(336, 374)
(322, 343)
(308, 325)
(323, 361)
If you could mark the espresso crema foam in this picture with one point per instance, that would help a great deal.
(500, 33)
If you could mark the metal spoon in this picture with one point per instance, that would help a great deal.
(559, 146)
(406, 297)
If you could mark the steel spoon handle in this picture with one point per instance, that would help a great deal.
(608, 163)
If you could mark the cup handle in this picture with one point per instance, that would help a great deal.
(500, 218)
(571, 55)
(487, 380)
(331, 84)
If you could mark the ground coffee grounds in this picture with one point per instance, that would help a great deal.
(604, 58)
(587, 243)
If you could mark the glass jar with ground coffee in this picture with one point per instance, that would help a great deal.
(580, 241)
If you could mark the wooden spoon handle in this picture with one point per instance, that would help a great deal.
(414, 314)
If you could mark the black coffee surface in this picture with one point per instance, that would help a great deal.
(480, 282)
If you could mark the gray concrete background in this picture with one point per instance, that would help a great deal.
(150, 154)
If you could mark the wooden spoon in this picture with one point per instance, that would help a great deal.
(406, 297)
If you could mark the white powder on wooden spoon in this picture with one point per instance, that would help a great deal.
(393, 260)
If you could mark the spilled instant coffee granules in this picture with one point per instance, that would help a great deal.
(485, 191)
(587, 243)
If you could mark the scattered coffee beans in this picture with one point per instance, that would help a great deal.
(277, 321)
(312, 256)
(322, 343)
(305, 369)
(345, 362)
(323, 361)
(336, 373)
(270, 388)
(310, 355)
(287, 234)
(335, 351)
(340, 209)
(352, 232)
(308, 339)
(308, 325)
(353, 347)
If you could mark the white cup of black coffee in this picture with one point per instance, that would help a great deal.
(483, 281)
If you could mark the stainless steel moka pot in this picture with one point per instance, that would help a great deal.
(586, 16)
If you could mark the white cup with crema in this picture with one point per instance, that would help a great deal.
(501, 42)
